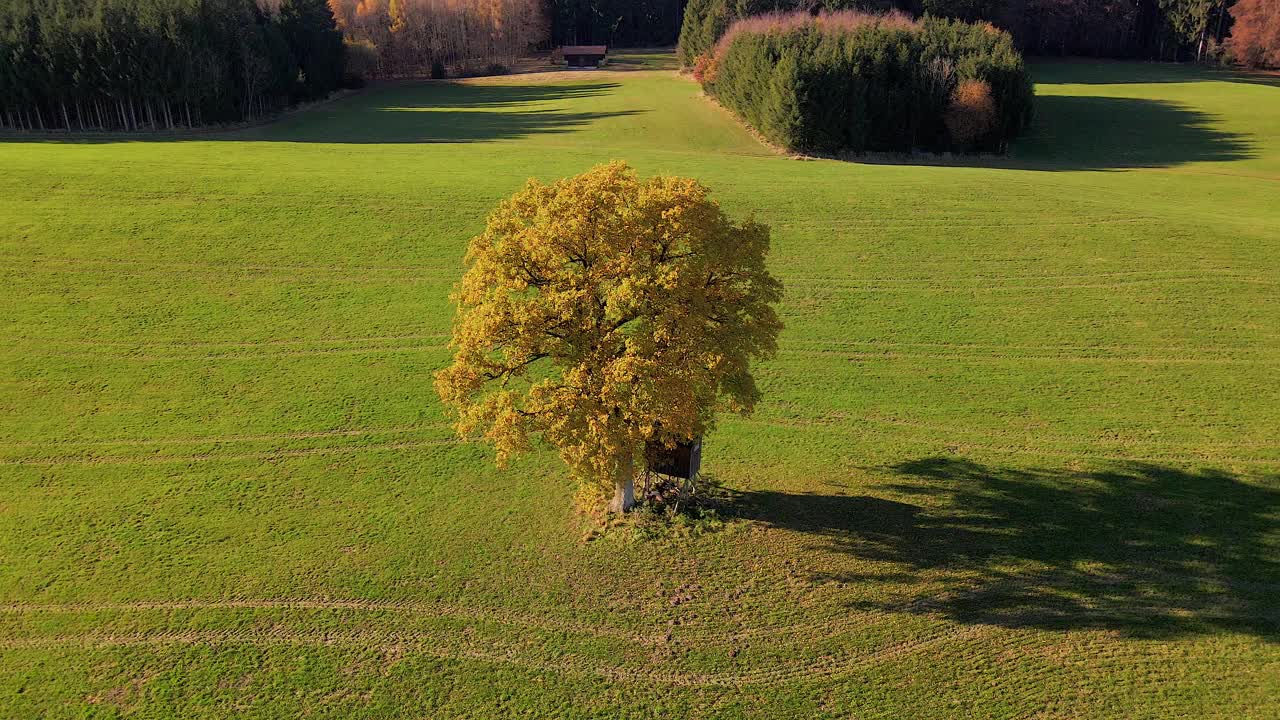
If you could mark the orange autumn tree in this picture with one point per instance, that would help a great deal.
(1255, 36)
(605, 312)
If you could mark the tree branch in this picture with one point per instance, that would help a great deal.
(507, 372)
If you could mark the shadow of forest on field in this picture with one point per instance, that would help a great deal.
(1069, 132)
(1140, 549)
(1075, 132)
(410, 112)
(1084, 132)
(1092, 71)
(643, 59)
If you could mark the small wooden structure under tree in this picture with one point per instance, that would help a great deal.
(670, 473)
(681, 461)
(584, 56)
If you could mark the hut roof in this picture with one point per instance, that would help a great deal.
(585, 49)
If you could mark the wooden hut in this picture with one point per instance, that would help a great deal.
(682, 461)
(584, 56)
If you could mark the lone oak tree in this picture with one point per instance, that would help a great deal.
(605, 312)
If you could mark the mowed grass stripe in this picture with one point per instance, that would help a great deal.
(146, 352)
(271, 455)
(226, 439)
(1084, 449)
(457, 645)
(214, 355)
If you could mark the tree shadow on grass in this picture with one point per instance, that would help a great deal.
(1140, 549)
(643, 59)
(419, 112)
(453, 94)
(1121, 72)
(419, 124)
(1072, 132)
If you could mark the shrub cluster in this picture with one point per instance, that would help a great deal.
(706, 20)
(854, 82)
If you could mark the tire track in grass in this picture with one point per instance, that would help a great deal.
(856, 349)
(436, 645)
(48, 264)
(801, 631)
(962, 281)
(955, 445)
(835, 418)
(979, 286)
(221, 457)
(1048, 348)
(252, 356)
(415, 608)
(1147, 360)
(988, 440)
(883, 284)
(991, 434)
(227, 439)
(833, 667)
(184, 344)
(890, 224)
(371, 343)
(790, 631)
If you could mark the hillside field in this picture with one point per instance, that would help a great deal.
(1018, 456)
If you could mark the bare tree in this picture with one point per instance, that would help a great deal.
(411, 35)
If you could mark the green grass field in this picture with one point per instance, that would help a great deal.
(1018, 456)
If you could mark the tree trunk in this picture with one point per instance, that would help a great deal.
(624, 487)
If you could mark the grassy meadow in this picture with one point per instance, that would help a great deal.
(1018, 456)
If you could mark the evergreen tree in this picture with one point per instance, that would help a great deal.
(160, 64)
(312, 35)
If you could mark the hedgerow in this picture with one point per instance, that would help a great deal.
(853, 82)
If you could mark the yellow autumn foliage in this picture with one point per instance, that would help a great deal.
(604, 312)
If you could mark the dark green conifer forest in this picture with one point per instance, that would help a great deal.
(161, 64)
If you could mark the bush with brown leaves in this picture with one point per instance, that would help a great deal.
(971, 116)
(1255, 37)
(704, 69)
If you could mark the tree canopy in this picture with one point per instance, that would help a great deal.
(1255, 39)
(621, 23)
(408, 37)
(1158, 29)
(605, 312)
